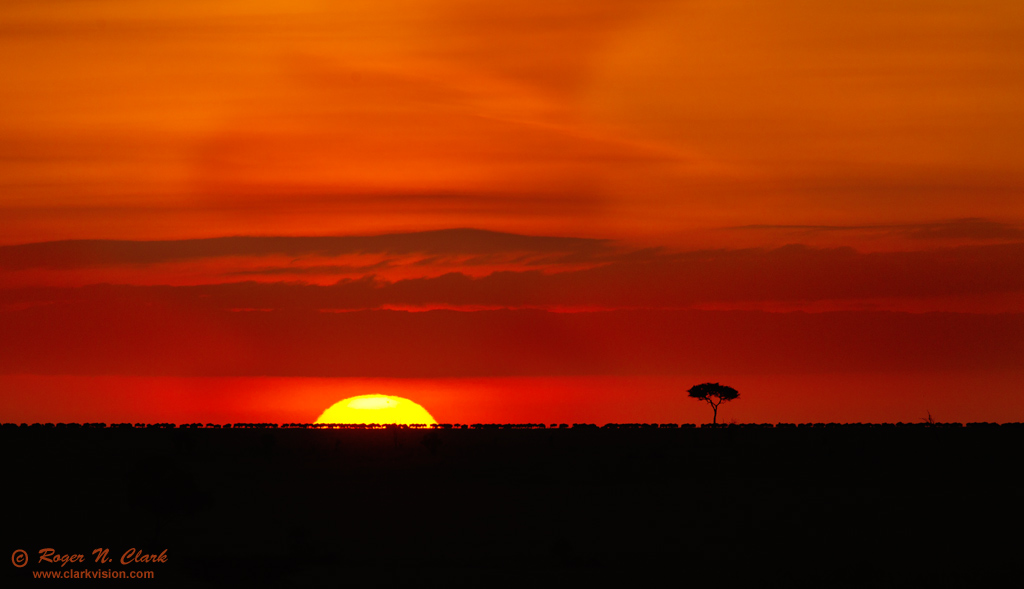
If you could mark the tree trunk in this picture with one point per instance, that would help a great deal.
(714, 416)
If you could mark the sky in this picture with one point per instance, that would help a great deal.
(225, 211)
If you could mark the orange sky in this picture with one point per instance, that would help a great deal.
(661, 157)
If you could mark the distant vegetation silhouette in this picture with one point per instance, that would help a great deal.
(923, 424)
(714, 394)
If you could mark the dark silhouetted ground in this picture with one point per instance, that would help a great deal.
(845, 506)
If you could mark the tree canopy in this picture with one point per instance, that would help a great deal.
(714, 394)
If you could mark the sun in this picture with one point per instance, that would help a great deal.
(382, 409)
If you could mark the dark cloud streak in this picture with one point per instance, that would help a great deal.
(651, 279)
(969, 228)
(93, 253)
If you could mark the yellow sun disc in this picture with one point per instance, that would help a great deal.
(382, 409)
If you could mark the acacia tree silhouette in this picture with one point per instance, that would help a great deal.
(714, 394)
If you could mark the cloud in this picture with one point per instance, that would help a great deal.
(978, 229)
(973, 229)
(329, 269)
(74, 254)
(641, 279)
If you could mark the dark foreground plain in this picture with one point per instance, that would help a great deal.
(826, 506)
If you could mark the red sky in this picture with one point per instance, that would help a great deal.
(232, 211)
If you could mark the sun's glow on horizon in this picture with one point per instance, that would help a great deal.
(381, 409)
